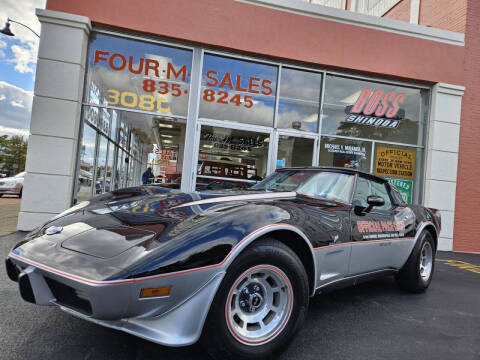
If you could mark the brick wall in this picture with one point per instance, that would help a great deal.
(444, 14)
(467, 205)
(401, 11)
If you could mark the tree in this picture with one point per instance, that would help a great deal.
(13, 152)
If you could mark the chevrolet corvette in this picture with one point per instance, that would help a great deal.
(232, 269)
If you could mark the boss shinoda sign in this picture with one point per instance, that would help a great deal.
(376, 108)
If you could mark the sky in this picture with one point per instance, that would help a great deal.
(18, 57)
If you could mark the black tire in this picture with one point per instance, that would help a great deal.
(409, 278)
(20, 194)
(219, 341)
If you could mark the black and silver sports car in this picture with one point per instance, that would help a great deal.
(233, 269)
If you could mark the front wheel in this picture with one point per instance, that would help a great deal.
(416, 274)
(260, 305)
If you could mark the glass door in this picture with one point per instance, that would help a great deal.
(294, 150)
(233, 157)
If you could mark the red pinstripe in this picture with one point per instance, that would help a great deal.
(125, 281)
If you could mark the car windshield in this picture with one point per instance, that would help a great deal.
(328, 185)
(20, 175)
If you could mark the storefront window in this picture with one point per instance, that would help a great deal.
(402, 166)
(355, 154)
(299, 102)
(230, 158)
(238, 90)
(167, 156)
(373, 110)
(135, 117)
(86, 163)
(294, 151)
(110, 167)
(101, 165)
(142, 140)
(138, 75)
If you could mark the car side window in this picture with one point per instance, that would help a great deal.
(380, 189)
(365, 188)
(397, 198)
(362, 191)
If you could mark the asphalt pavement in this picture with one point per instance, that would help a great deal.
(371, 321)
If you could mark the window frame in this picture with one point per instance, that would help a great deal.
(194, 121)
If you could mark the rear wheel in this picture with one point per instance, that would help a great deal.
(260, 304)
(416, 274)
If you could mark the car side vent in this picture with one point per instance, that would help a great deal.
(70, 297)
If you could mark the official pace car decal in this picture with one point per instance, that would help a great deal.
(381, 229)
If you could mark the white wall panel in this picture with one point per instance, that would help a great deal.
(55, 121)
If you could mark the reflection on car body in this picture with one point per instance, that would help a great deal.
(237, 266)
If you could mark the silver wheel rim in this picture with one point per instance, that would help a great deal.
(426, 261)
(259, 305)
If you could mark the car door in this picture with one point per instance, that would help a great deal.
(327, 223)
(372, 231)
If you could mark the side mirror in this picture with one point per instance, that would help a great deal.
(374, 200)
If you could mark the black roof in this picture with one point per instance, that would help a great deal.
(335, 169)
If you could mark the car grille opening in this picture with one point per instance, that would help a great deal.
(70, 297)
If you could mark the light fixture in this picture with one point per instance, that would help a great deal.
(167, 136)
(6, 29)
(165, 125)
(167, 141)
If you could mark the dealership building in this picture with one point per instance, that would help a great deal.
(223, 92)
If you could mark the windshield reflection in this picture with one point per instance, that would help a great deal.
(326, 185)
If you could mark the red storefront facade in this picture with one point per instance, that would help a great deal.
(327, 43)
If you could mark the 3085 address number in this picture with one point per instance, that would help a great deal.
(131, 100)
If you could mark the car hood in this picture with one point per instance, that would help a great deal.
(144, 229)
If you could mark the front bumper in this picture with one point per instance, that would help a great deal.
(10, 191)
(174, 320)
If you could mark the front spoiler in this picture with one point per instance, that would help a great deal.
(10, 191)
(174, 320)
(181, 326)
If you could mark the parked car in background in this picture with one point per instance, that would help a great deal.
(12, 185)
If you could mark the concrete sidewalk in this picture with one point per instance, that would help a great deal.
(9, 208)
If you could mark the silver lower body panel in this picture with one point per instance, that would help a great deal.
(173, 320)
(181, 326)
